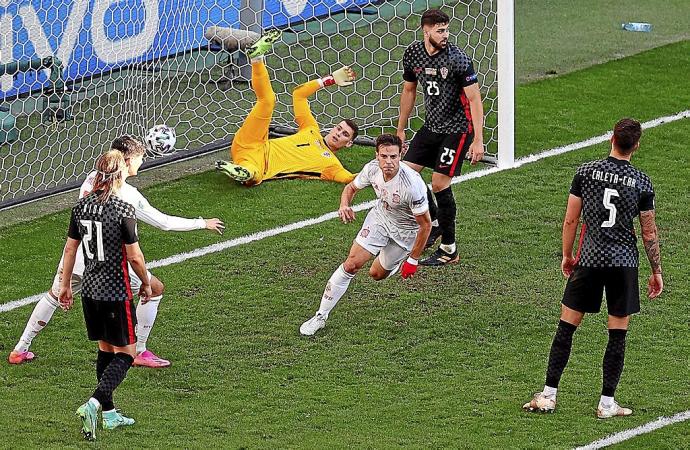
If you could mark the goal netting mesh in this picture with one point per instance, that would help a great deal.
(75, 74)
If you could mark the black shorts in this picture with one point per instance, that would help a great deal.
(443, 152)
(586, 285)
(110, 321)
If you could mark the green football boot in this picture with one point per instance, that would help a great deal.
(264, 44)
(234, 171)
(89, 418)
(113, 419)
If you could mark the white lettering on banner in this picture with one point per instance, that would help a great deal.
(108, 50)
(294, 7)
(6, 46)
(111, 51)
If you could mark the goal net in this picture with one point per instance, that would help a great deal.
(75, 74)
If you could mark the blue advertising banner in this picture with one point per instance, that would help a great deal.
(91, 37)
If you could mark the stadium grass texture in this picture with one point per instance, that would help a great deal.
(443, 360)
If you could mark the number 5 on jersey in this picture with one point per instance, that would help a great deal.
(608, 194)
(88, 236)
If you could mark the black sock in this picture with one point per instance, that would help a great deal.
(111, 379)
(103, 360)
(433, 209)
(560, 352)
(613, 361)
(446, 215)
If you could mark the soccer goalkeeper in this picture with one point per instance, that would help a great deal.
(306, 154)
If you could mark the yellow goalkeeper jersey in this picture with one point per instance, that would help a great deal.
(304, 154)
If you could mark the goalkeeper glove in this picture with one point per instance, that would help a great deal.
(344, 76)
(409, 268)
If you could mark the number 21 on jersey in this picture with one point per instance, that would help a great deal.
(88, 237)
(608, 195)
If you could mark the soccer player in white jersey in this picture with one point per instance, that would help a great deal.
(394, 231)
(133, 151)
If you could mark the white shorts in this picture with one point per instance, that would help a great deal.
(391, 248)
(78, 273)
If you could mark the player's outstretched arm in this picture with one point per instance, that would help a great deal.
(650, 237)
(344, 76)
(70, 254)
(570, 222)
(345, 212)
(409, 267)
(152, 216)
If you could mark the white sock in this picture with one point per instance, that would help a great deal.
(549, 391)
(146, 316)
(605, 401)
(257, 59)
(335, 288)
(95, 403)
(448, 248)
(41, 315)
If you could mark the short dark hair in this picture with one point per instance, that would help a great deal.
(388, 139)
(432, 17)
(355, 129)
(129, 146)
(626, 135)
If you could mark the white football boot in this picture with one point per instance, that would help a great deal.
(541, 403)
(311, 326)
(613, 410)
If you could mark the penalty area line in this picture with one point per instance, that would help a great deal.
(220, 246)
(642, 429)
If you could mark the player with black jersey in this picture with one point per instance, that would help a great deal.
(106, 226)
(452, 126)
(608, 194)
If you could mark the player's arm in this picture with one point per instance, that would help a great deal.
(65, 297)
(338, 174)
(409, 267)
(474, 96)
(407, 99)
(344, 76)
(135, 257)
(570, 222)
(152, 216)
(345, 212)
(69, 256)
(650, 237)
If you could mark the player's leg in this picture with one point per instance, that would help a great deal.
(448, 164)
(43, 312)
(146, 317)
(391, 257)
(583, 294)
(112, 324)
(248, 159)
(623, 299)
(335, 288)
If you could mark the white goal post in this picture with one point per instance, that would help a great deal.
(75, 74)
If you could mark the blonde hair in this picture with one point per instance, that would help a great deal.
(110, 167)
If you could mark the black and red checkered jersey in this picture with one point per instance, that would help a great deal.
(613, 193)
(442, 77)
(104, 229)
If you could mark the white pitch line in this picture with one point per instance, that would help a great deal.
(220, 246)
(642, 429)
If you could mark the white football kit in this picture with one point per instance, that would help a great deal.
(144, 212)
(390, 228)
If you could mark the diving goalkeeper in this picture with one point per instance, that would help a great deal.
(306, 154)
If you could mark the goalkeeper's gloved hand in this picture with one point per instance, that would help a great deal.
(344, 76)
(409, 268)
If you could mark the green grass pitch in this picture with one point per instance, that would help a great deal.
(443, 360)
